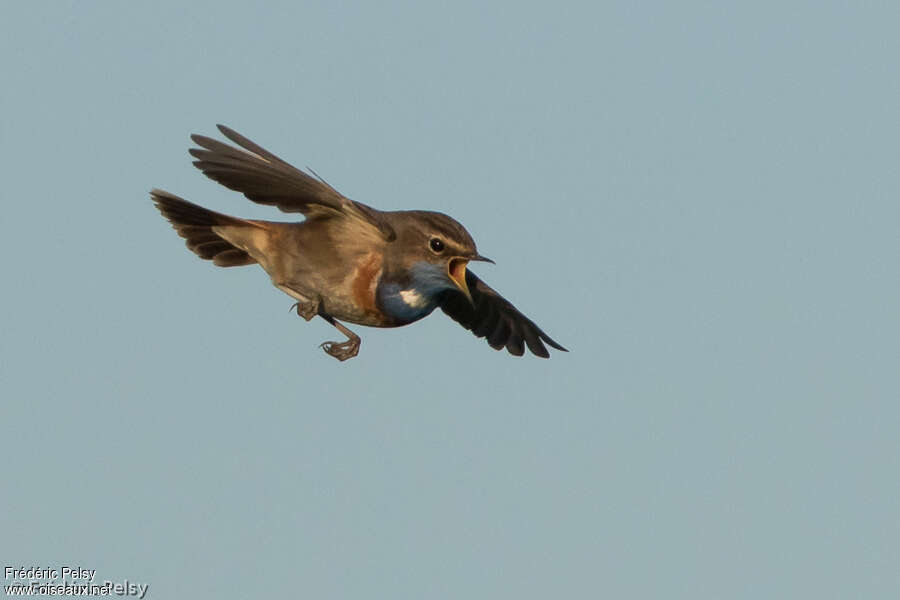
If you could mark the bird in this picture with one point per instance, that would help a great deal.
(345, 261)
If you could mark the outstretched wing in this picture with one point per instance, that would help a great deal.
(264, 178)
(495, 318)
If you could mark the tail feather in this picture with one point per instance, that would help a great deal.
(195, 224)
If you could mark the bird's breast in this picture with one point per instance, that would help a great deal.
(351, 298)
(368, 296)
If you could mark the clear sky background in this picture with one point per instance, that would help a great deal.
(699, 200)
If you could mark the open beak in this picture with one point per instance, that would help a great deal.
(457, 272)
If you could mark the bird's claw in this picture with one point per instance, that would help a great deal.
(307, 310)
(341, 350)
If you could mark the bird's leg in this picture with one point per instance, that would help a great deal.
(341, 350)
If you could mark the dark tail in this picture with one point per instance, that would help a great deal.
(194, 223)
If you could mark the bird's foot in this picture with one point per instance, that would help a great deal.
(307, 310)
(341, 350)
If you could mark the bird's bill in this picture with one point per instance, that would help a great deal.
(457, 272)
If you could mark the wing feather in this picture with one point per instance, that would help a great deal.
(266, 179)
(495, 318)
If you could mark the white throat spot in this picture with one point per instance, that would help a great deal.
(412, 298)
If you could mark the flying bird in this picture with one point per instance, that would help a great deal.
(346, 261)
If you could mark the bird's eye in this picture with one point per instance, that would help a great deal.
(436, 245)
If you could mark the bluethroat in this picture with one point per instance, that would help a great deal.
(346, 261)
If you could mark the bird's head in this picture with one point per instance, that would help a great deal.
(433, 250)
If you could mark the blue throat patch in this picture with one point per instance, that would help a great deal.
(419, 298)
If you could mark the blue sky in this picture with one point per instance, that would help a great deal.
(699, 201)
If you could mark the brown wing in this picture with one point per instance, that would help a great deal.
(495, 318)
(264, 178)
